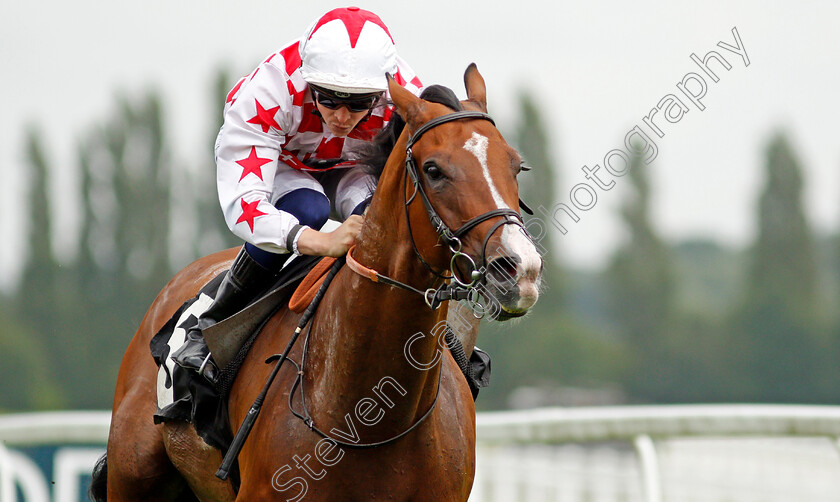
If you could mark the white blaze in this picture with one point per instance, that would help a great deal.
(477, 145)
(513, 239)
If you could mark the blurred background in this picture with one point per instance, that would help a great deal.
(710, 275)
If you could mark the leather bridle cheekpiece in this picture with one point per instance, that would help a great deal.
(457, 289)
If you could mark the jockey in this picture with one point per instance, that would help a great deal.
(285, 152)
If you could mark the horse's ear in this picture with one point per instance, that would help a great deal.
(476, 89)
(409, 106)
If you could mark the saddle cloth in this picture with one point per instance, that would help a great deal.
(187, 396)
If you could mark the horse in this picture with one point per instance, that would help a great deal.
(388, 414)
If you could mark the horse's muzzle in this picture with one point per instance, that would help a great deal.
(511, 284)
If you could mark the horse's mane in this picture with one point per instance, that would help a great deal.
(375, 154)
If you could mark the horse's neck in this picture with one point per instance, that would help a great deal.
(375, 341)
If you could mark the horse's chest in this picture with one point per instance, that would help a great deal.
(404, 479)
(393, 474)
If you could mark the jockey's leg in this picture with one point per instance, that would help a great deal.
(245, 279)
(253, 270)
(350, 190)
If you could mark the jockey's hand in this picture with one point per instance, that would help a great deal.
(335, 243)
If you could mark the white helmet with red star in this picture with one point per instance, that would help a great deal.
(348, 50)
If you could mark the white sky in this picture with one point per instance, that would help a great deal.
(598, 69)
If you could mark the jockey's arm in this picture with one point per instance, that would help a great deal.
(335, 243)
(248, 151)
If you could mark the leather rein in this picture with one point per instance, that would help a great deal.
(434, 297)
(460, 290)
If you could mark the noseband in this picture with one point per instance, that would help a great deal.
(452, 238)
(458, 289)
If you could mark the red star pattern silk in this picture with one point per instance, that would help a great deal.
(257, 158)
(249, 213)
(354, 25)
(230, 97)
(331, 149)
(252, 164)
(265, 118)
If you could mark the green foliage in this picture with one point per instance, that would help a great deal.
(213, 234)
(709, 279)
(778, 346)
(24, 369)
(40, 227)
(23, 360)
(82, 317)
(538, 186)
(783, 271)
(549, 350)
(125, 245)
(553, 347)
(693, 322)
(641, 281)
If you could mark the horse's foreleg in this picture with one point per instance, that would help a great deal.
(197, 462)
(138, 466)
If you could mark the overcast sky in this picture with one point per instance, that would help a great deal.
(598, 69)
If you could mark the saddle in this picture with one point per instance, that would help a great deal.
(187, 396)
(306, 290)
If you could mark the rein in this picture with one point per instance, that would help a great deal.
(251, 417)
(433, 297)
(460, 290)
(307, 418)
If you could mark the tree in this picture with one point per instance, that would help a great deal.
(25, 363)
(778, 348)
(213, 233)
(551, 349)
(75, 320)
(783, 272)
(538, 186)
(124, 260)
(640, 277)
(25, 372)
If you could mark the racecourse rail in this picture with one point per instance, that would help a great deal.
(639, 425)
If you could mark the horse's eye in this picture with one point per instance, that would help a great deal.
(524, 168)
(432, 171)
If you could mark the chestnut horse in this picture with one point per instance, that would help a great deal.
(372, 366)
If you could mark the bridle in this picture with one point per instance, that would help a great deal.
(457, 289)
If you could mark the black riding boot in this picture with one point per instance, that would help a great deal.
(243, 282)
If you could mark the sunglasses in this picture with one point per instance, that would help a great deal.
(356, 104)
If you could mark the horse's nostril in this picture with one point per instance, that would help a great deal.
(503, 269)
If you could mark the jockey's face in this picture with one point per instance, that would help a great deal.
(341, 120)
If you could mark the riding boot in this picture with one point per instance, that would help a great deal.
(245, 280)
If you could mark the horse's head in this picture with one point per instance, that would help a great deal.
(468, 190)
